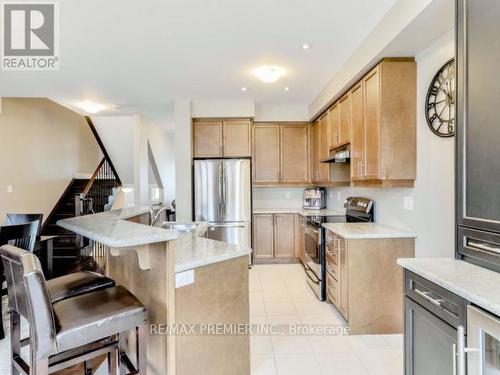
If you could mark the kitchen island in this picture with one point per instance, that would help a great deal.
(183, 281)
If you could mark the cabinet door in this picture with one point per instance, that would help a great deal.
(207, 139)
(429, 342)
(371, 163)
(263, 236)
(294, 153)
(284, 236)
(358, 132)
(345, 120)
(236, 136)
(478, 98)
(343, 293)
(266, 153)
(315, 151)
(324, 151)
(333, 117)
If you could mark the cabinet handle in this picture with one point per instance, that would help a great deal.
(454, 350)
(462, 351)
(425, 296)
(483, 246)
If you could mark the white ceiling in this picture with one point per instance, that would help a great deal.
(140, 55)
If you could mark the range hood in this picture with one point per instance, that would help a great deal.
(339, 155)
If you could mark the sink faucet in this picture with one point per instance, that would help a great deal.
(155, 215)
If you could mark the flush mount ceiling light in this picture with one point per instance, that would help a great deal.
(269, 74)
(90, 107)
(305, 46)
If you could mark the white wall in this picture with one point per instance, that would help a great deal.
(43, 146)
(183, 183)
(433, 216)
(277, 112)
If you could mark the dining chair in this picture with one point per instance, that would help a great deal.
(71, 331)
(13, 219)
(19, 235)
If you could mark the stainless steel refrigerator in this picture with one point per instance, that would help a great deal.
(222, 196)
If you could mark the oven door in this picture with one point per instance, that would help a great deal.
(313, 245)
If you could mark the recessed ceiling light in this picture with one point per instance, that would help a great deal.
(244, 89)
(269, 74)
(306, 46)
(287, 88)
(91, 107)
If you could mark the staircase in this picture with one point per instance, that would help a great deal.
(81, 197)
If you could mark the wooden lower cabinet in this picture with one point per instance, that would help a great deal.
(364, 281)
(274, 237)
(301, 238)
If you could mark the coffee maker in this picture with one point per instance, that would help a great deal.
(314, 198)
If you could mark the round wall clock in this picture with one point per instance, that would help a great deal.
(440, 101)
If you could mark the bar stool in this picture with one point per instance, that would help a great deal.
(23, 236)
(73, 330)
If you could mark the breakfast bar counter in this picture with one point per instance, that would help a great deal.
(182, 280)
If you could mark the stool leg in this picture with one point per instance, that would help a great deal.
(142, 340)
(112, 366)
(87, 367)
(122, 350)
(15, 339)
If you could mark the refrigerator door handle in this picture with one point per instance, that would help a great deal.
(224, 192)
(220, 191)
(226, 226)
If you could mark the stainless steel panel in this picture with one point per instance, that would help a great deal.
(236, 197)
(208, 190)
(236, 233)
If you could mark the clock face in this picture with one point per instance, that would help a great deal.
(440, 101)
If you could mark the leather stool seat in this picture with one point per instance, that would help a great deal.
(92, 316)
(77, 283)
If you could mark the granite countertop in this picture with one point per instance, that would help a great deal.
(367, 230)
(192, 252)
(300, 211)
(476, 284)
(112, 229)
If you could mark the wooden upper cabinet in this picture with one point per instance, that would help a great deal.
(237, 138)
(263, 236)
(371, 162)
(294, 153)
(324, 143)
(344, 133)
(207, 139)
(333, 116)
(357, 131)
(316, 151)
(266, 153)
(284, 235)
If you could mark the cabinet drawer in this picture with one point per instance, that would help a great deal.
(331, 267)
(332, 290)
(443, 303)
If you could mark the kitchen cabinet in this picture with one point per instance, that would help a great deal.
(263, 236)
(301, 238)
(344, 129)
(221, 138)
(284, 235)
(432, 317)
(274, 237)
(294, 153)
(358, 131)
(370, 300)
(266, 153)
(334, 119)
(207, 139)
(280, 154)
(385, 149)
(237, 138)
(324, 133)
(316, 151)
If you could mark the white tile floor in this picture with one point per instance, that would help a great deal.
(279, 294)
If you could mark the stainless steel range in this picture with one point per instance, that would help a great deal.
(357, 210)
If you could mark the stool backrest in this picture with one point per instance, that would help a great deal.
(12, 219)
(19, 235)
(29, 296)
